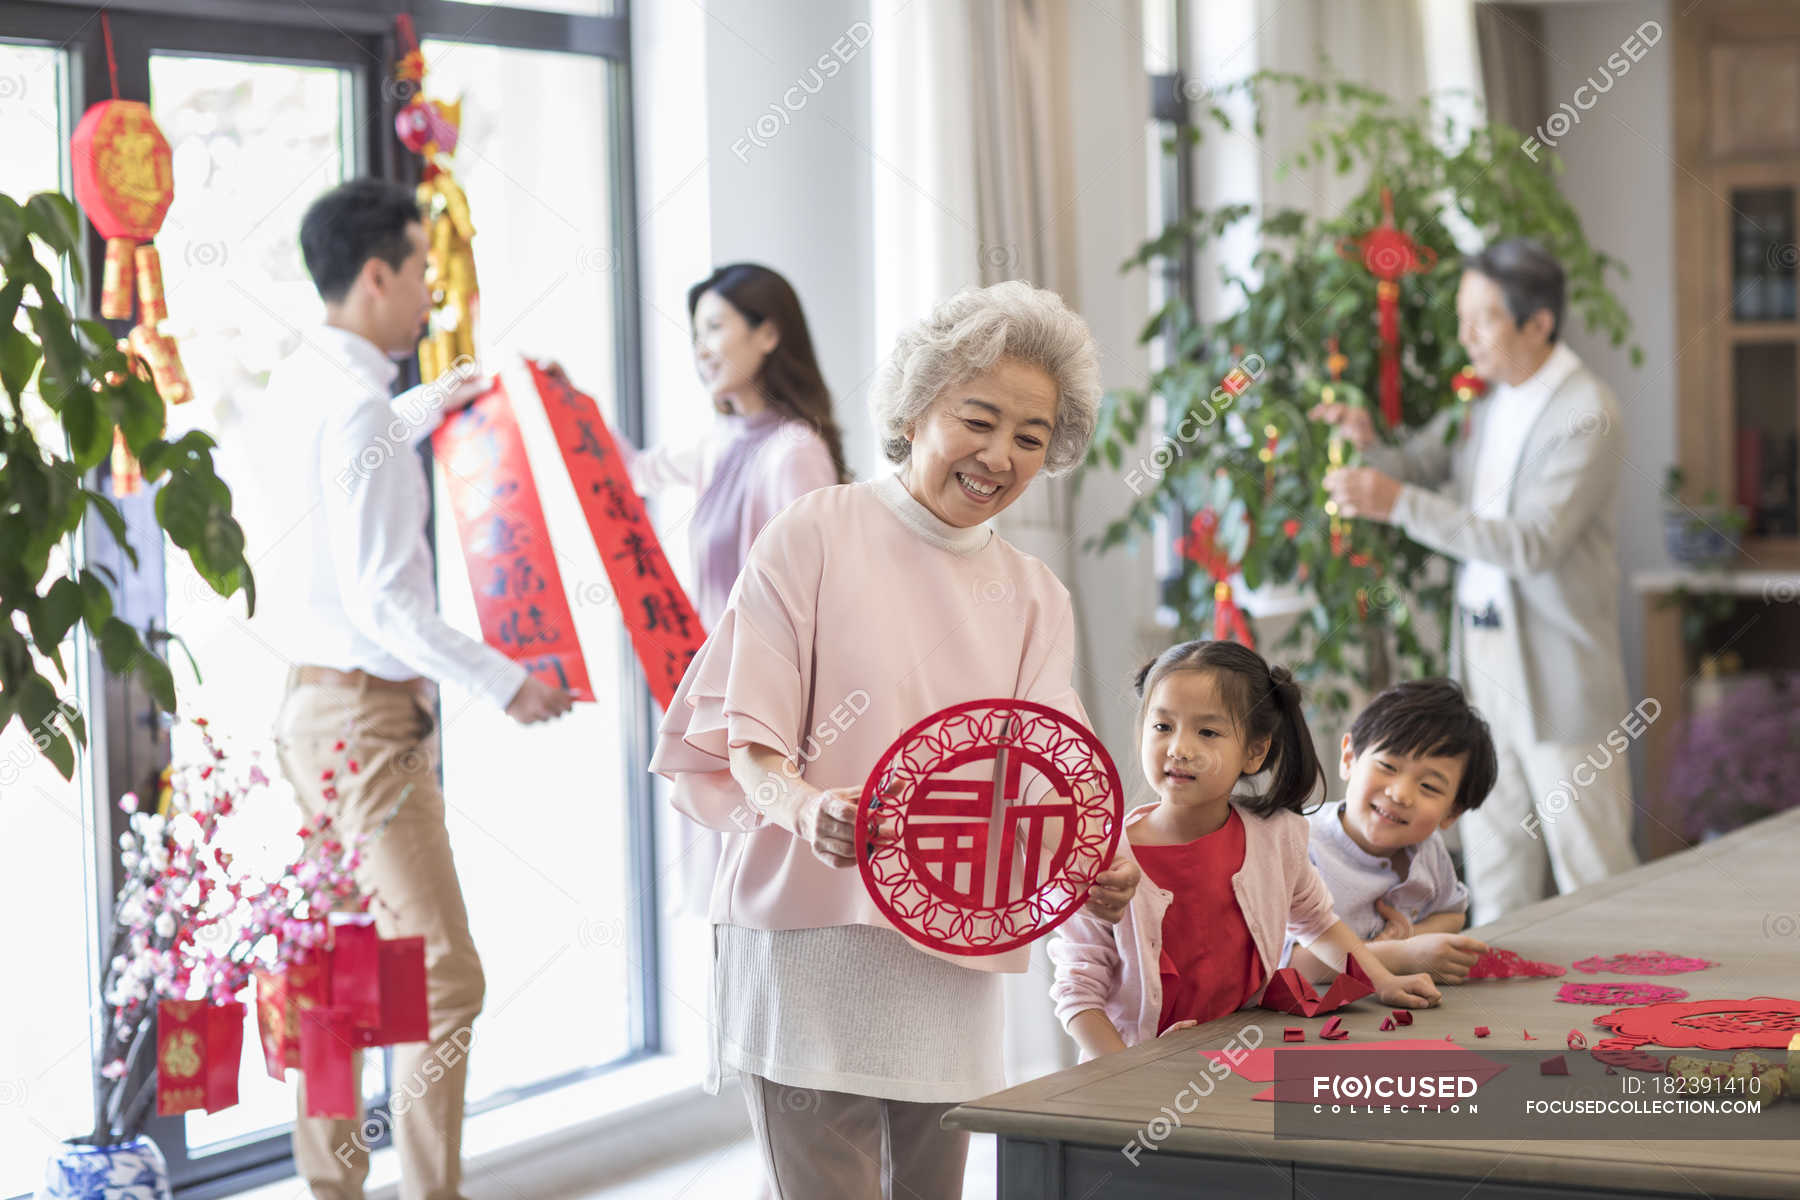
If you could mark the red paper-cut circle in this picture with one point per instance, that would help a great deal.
(1649, 962)
(1051, 829)
(1619, 993)
(1760, 1022)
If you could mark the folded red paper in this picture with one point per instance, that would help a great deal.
(1402, 1017)
(1554, 1065)
(1333, 1030)
(1288, 992)
(1293, 1033)
(1482, 1031)
(1577, 1040)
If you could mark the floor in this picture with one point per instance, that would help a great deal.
(734, 1172)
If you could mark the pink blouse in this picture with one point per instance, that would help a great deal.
(857, 614)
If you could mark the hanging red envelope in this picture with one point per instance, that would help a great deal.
(198, 1049)
(665, 629)
(1289, 992)
(281, 996)
(1504, 964)
(327, 1059)
(356, 969)
(405, 1013)
(519, 598)
(1003, 813)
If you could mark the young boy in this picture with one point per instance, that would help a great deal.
(1415, 759)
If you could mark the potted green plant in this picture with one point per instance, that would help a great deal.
(1366, 586)
(68, 387)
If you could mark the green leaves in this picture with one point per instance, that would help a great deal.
(45, 493)
(1371, 603)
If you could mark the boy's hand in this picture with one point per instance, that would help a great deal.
(1407, 991)
(1399, 926)
(1447, 956)
(1178, 1025)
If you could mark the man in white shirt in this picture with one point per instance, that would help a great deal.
(350, 601)
(1525, 502)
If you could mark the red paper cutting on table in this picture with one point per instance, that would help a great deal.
(665, 629)
(1293, 1033)
(1402, 1016)
(1289, 992)
(1004, 813)
(1616, 994)
(1616, 1052)
(1387, 1024)
(1577, 1040)
(1333, 1030)
(1649, 962)
(1504, 964)
(519, 598)
(1757, 1023)
(1482, 1031)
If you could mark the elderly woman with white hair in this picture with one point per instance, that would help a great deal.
(863, 609)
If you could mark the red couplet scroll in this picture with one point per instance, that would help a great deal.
(665, 629)
(519, 596)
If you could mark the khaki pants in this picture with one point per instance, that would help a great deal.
(819, 1145)
(1559, 810)
(392, 737)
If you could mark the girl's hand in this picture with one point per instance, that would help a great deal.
(1178, 1025)
(1407, 991)
(1398, 928)
(1113, 889)
(1447, 956)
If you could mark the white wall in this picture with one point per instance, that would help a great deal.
(1618, 173)
(801, 202)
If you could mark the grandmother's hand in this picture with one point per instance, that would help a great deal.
(1112, 891)
(826, 821)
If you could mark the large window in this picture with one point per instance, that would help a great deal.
(263, 111)
(46, 1091)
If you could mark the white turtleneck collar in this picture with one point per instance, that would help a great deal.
(921, 520)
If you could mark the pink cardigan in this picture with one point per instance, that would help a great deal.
(1117, 969)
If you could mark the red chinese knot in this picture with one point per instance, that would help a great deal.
(1004, 813)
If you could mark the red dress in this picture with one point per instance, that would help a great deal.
(1209, 962)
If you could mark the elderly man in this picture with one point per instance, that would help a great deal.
(1524, 501)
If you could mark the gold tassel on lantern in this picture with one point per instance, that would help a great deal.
(152, 310)
(115, 285)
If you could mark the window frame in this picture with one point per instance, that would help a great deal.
(129, 741)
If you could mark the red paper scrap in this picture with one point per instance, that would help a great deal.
(1554, 1065)
(1333, 1030)
(1612, 1071)
(1504, 964)
(1387, 1023)
(1648, 962)
(665, 630)
(1617, 1052)
(1528, 1036)
(519, 598)
(1618, 993)
(1402, 1017)
(1482, 1031)
(1293, 1033)
(1288, 992)
(1577, 1040)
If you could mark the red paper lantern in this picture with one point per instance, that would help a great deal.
(124, 182)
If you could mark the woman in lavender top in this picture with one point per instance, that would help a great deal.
(772, 439)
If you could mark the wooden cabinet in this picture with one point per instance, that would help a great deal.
(1737, 184)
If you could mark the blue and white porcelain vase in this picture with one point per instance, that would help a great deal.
(133, 1170)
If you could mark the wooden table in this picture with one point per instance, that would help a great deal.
(1733, 900)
